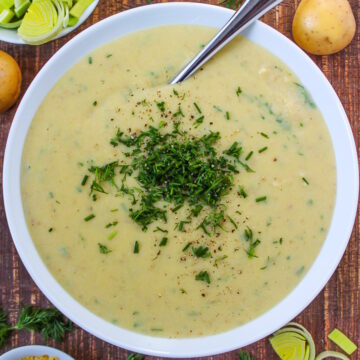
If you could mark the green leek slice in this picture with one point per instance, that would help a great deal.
(11, 25)
(78, 9)
(42, 22)
(294, 342)
(6, 4)
(20, 7)
(332, 354)
(342, 341)
(6, 15)
(289, 346)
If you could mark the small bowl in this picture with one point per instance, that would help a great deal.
(34, 350)
(345, 156)
(11, 36)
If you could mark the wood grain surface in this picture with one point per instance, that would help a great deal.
(338, 305)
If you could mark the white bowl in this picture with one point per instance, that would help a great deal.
(11, 36)
(34, 350)
(347, 180)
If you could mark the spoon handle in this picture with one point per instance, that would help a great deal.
(250, 11)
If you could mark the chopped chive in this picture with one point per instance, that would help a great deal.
(233, 222)
(95, 103)
(182, 223)
(242, 192)
(281, 241)
(238, 91)
(217, 108)
(249, 155)
(263, 149)
(84, 180)
(136, 247)
(175, 92)
(186, 246)
(160, 229)
(163, 241)
(197, 108)
(260, 199)
(108, 56)
(112, 235)
(90, 60)
(50, 230)
(264, 135)
(89, 217)
(305, 181)
(199, 121)
(103, 249)
(227, 115)
(179, 112)
(114, 210)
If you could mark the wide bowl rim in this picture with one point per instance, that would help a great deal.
(290, 306)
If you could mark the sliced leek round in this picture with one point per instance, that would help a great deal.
(42, 22)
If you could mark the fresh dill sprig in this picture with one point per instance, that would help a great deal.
(249, 237)
(244, 355)
(231, 4)
(47, 321)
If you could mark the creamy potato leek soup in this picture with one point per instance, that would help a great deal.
(183, 210)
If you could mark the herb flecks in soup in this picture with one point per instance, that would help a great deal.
(180, 210)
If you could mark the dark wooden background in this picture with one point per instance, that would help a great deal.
(338, 305)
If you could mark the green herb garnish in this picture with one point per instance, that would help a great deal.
(163, 241)
(203, 276)
(48, 321)
(249, 237)
(89, 217)
(103, 249)
(197, 108)
(262, 149)
(261, 198)
(305, 181)
(136, 247)
(201, 251)
(238, 91)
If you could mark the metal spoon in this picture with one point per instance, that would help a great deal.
(246, 15)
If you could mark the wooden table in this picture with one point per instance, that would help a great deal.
(338, 305)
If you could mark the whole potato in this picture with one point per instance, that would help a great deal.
(323, 27)
(10, 81)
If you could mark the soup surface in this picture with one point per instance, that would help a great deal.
(182, 210)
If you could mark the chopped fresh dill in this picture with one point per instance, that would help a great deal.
(136, 247)
(112, 235)
(186, 246)
(249, 237)
(84, 180)
(233, 222)
(249, 155)
(182, 223)
(262, 149)
(238, 91)
(114, 223)
(305, 181)
(261, 198)
(197, 108)
(160, 229)
(161, 106)
(234, 150)
(175, 92)
(163, 241)
(89, 217)
(201, 251)
(242, 192)
(212, 221)
(218, 259)
(203, 276)
(95, 103)
(179, 112)
(199, 121)
(103, 249)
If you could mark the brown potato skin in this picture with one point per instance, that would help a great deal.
(323, 27)
(10, 81)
